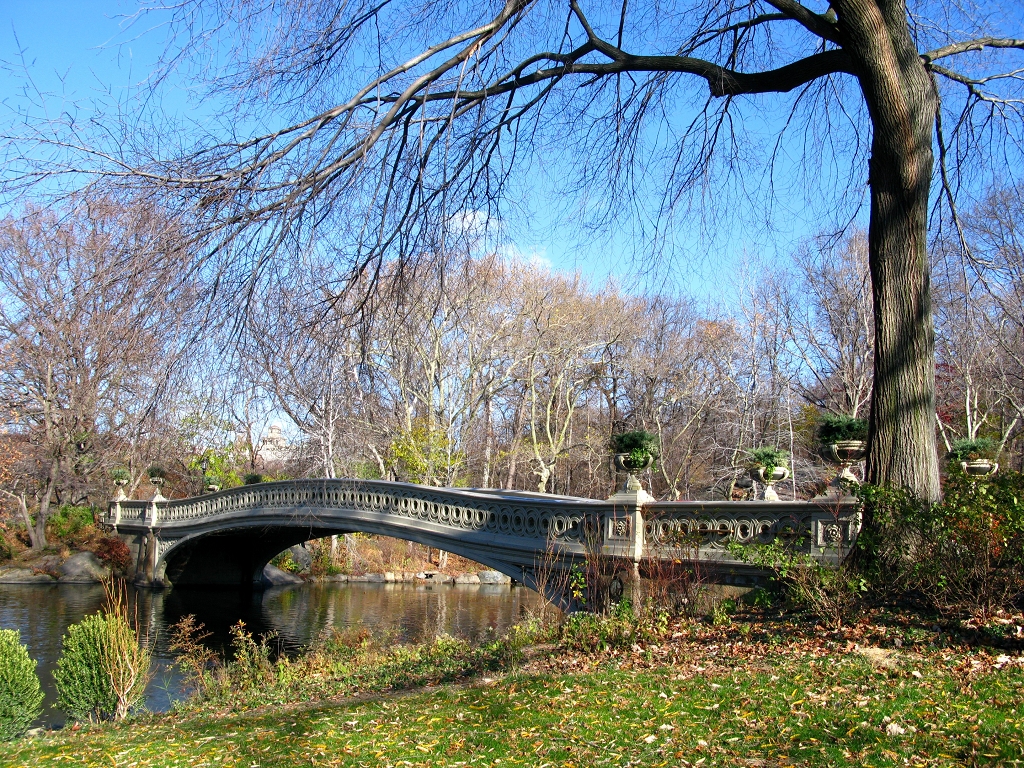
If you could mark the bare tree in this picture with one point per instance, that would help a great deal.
(90, 320)
(426, 134)
(827, 313)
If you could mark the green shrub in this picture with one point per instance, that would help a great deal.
(156, 472)
(251, 668)
(285, 562)
(964, 554)
(69, 522)
(621, 628)
(103, 670)
(834, 428)
(21, 697)
(639, 445)
(969, 450)
(831, 593)
(768, 457)
(84, 691)
(120, 475)
(254, 478)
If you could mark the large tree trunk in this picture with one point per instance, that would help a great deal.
(38, 534)
(901, 100)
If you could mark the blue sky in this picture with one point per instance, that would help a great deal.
(75, 51)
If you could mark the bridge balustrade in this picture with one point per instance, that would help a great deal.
(509, 531)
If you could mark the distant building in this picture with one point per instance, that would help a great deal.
(274, 446)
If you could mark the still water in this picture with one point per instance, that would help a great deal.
(296, 615)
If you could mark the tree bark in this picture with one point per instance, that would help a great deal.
(901, 101)
(39, 541)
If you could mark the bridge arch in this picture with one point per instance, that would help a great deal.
(227, 537)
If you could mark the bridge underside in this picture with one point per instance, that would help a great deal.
(236, 556)
(231, 558)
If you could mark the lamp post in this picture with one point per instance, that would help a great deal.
(208, 483)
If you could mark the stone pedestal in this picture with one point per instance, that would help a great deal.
(629, 504)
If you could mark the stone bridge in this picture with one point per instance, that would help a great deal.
(226, 538)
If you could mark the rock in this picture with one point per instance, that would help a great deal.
(390, 577)
(25, 576)
(442, 578)
(275, 577)
(426, 575)
(493, 577)
(467, 578)
(83, 568)
(301, 557)
(373, 578)
(339, 577)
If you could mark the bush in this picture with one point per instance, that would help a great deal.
(103, 669)
(834, 428)
(84, 691)
(621, 628)
(251, 668)
(768, 457)
(969, 450)
(964, 554)
(70, 522)
(286, 562)
(831, 593)
(254, 478)
(114, 552)
(639, 445)
(120, 475)
(21, 697)
(197, 662)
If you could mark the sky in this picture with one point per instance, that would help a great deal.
(78, 50)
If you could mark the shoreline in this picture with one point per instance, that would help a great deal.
(22, 576)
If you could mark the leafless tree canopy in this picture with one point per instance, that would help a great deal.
(405, 117)
(92, 309)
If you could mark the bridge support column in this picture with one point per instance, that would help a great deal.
(629, 503)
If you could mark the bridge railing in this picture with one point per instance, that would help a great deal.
(670, 529)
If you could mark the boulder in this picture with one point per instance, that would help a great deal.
(467, 578)
(493, 577)
(83, 568)
(301, 557)
(336, 577)
(24, 576)
(275, 577)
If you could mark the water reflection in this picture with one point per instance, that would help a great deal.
(296, 615)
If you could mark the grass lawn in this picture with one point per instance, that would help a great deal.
(727, 703)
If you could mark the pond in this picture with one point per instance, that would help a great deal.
(295, 615)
